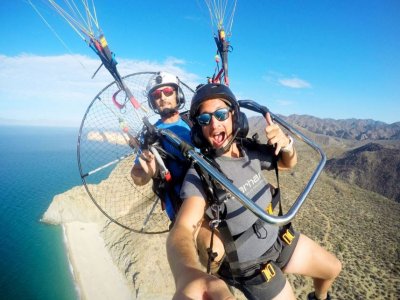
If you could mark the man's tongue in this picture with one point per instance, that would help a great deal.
(219, 139)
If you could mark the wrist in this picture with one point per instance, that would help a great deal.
(289, 147)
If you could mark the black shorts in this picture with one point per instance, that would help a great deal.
(255, 286)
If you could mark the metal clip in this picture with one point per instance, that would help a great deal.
(288, 237)
(215, 222)
(268, 272)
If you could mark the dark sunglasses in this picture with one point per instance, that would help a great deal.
(220, 114)
(167, 91)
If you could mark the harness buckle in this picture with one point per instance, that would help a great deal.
(268, 272)
(214, 223)
(288, 237)
(269, 209)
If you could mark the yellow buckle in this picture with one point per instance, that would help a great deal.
(288, 237)
(269, 209)
(268, 272)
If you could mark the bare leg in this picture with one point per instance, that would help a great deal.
(286, 293)
(203, 243)
(312, 260)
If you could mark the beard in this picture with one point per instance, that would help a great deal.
(168, 112)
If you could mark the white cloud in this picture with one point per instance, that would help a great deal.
(283, 102)
(295, 83)
(56, 90)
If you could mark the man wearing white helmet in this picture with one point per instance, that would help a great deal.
(165, 97)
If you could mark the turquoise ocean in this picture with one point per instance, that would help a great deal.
(36, 163)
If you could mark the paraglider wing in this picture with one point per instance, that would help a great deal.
(221, 15)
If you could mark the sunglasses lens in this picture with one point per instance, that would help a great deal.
(167, 91)
(221, 114)
(204, 119)
(156, 94)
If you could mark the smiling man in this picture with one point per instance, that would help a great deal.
(258, 254)
(165, 97)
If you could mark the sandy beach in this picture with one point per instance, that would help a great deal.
(95, 274)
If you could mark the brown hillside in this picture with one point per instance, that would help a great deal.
(372, 166)
(360, 227)
(348, 128)
(375, 167)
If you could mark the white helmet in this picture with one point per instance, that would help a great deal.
(160, 79)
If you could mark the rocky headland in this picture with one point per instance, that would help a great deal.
(361, 227)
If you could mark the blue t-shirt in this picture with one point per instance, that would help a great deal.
(177, 167)
(182, 130)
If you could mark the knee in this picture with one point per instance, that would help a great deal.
(334, 268)
(337, 267)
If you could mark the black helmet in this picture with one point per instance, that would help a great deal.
(160, 79)
(212, 91)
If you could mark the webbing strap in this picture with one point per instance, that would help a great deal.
(214, 197)
(278, 192)
(211, 254)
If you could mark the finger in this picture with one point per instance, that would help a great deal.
(147, 156)
(143, 163)
(274, 140)
(277, 149)
(146, 152)
(268, 129)
(219, 291)
(271, 128)
(269, 119)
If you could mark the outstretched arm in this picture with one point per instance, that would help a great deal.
(191, 281)
(284, 145)
(143, 170)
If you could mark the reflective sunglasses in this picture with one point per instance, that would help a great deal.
(167, 91)
(220, 114)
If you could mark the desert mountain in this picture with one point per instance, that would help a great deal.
(348, 128)
(372, 167)
(370, 163)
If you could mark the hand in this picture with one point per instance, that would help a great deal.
(275, 135)
(200, 285)
(148, 162)
(133, 142)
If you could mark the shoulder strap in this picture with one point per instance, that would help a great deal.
(254, 144)
(185, 117)
(215, 198)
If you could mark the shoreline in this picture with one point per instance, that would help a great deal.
(71, 263)
(93, 271)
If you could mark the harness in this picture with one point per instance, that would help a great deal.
(165, 184)
(216, 197)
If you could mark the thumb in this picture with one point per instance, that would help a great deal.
(269, 119)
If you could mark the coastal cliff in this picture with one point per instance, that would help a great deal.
(140, 258)
(73, 205)
(360, 227)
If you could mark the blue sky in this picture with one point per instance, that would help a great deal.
(329, 59)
